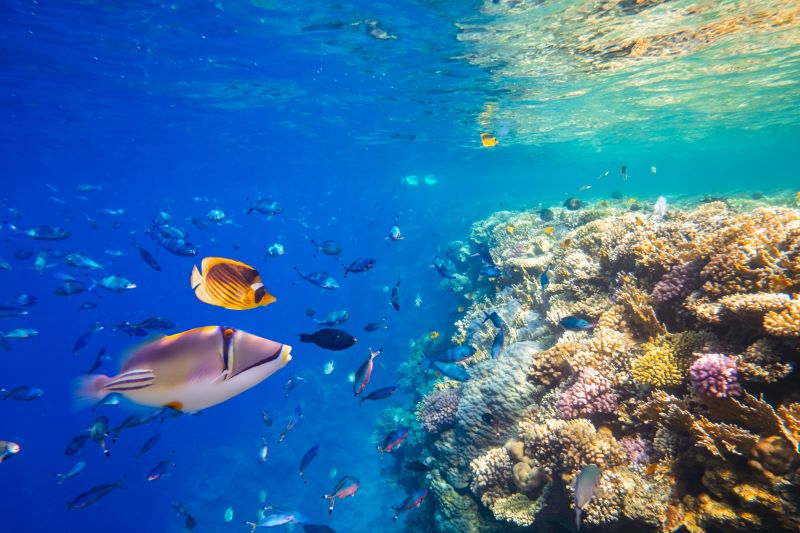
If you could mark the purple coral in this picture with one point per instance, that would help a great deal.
(591, 393)
(678, 282)
(439, 409)
(715, 375)
(637, 448)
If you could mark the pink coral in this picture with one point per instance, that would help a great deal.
(591, 393)
(715, 375)
(637, 448)
(678, 282)
(439, 409)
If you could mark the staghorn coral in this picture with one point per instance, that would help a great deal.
(659, 365)
(761, 362)
(784, 323)
(715, 375)
(678, 282)
(438, 409)
(591, 393)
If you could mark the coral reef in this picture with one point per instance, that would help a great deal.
(681, 389)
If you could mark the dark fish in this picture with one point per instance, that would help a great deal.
(572, 204)
(310, 312)
(451, 370)
(359, 265)
(175, 245)
(444, 267)
(23, 393)
(75, 445)
(130, 422)
(364, 373)
(544, 280)
(328, 247)
(483, 251)
(70, 287)
(292, 423)
(160, 470)
(491, 271)
(155, 322)
(585, 484)
(99, 431)
(199, 223)
(11, 312)
(417, 466)
(291, 384)
(546, 214)
(573, 323)
(265, 416)
(323, 26)
(380, 394)
(490, 419)
(374, 326)
(498, 343)
(616, 195)
(24, 300)
(147, 257)
(43, 233)
(306, 460)
(623, 171)
(265, 206)
(23, 253)
(190, 522)
(93, 495)
(329, 339)
(413, 500)
(148, 445)
(395, 299)
(347, 486)
(84, 340)
(320, 279)
(394, 439)
(130, 329)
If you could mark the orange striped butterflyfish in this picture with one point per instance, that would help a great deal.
(488, 140)
(230, 284)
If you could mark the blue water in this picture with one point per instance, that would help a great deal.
(185, 107)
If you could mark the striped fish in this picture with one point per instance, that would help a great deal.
(229, 284)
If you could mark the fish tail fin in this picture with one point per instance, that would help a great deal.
(61, 478)
(332, 500)
(5, 394)
(90, 389)
(4, 344)
(250, 210)
(197, 278)
(251, 524)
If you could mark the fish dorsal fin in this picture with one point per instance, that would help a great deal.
(211, 262)
(197, 278)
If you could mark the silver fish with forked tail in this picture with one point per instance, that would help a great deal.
(192, 370)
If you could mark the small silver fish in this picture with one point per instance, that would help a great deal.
(585, 484)
(74, 471)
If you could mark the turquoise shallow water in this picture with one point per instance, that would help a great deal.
(328, 108)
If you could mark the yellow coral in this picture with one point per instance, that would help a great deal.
(785, 323)
(658, 365)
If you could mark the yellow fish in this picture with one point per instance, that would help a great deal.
(192, 370)
(565, 243)
(434, 335)
(798, 197)
(229, 284)
(549, 230)
(460, 309)
(630, 201)
(639, 221)
(488, 140)
(510, 229)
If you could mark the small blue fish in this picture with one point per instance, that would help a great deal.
(498, 344)
(395, 296)
(320, 279)
(573, 323)
(451, 370)
(306, 460)
(332, 248)
(453, 355)
(496, 319)
(334, 318)
(544, 280)
(491, 271)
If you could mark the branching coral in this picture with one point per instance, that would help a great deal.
(591, 393)
(785, 323)
(762, 362)
(659, 365)
(439, 408)
(678, 282)
(492, 475)
(715, 375)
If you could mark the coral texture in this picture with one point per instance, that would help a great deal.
(715, 375)
(439, 409)
(590, 394)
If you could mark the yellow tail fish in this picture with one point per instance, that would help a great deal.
(229, 284)
(192, 370)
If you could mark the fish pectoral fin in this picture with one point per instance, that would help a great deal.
(131, 380)
(178, 406)
(224, 376)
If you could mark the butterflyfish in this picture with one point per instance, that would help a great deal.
(230, 284)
